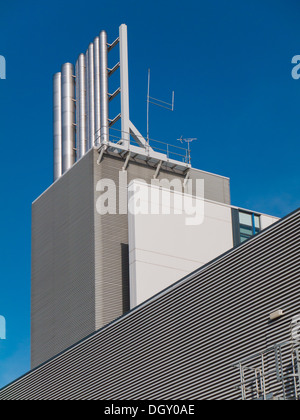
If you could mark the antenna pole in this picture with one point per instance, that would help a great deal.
(157, 102)
(148, 106)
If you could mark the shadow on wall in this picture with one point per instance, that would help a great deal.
(125, 277)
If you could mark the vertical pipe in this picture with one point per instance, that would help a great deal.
(81, 107)
(57, 128)
(104, 89)
(68, 116)
(148, 99)
(124, 83)
(91, 96)
(87, 99)
(77, 105)
(97, 90)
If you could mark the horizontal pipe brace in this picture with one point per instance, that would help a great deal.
(111, 46)
(115, 68)
(113, 95)
(112, 122)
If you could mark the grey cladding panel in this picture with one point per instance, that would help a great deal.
(235, 226)
(62, 263)
(216, 188)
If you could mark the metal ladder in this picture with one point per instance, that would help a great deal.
(273, 374)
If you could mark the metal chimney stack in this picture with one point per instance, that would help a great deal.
(68, 116)
(81, 113)
(97, 115)
(57, 126)
(90, 95)
(81, 103)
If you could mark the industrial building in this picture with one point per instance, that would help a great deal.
(194, 339)
(143, 272)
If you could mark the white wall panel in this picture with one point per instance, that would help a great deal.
(163, 248)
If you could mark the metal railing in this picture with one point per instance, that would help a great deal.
(271, 374)
(178, 153)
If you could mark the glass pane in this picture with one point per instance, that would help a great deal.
(245, 218)
(246, 230)
(257, 222)
(243, 238)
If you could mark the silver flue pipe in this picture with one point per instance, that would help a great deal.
(81, 113)
(91, 96)
(87, 101)
(57, 127)
(97, 89)
(68, 116)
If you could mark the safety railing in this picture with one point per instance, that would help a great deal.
(177, 153)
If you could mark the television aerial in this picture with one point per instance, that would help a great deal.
(157, 102)
(188, 141)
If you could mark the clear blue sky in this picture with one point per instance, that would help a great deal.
(229, 63)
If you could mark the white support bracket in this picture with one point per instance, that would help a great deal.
(187, 176)
(126, 162)
(138, 137)
(124, 84)
(101, 153)
(157, 169)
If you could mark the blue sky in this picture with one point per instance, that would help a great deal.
(229, 63)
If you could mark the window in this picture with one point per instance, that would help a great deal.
(249, 225)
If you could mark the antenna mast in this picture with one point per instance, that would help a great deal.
(148, 106)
